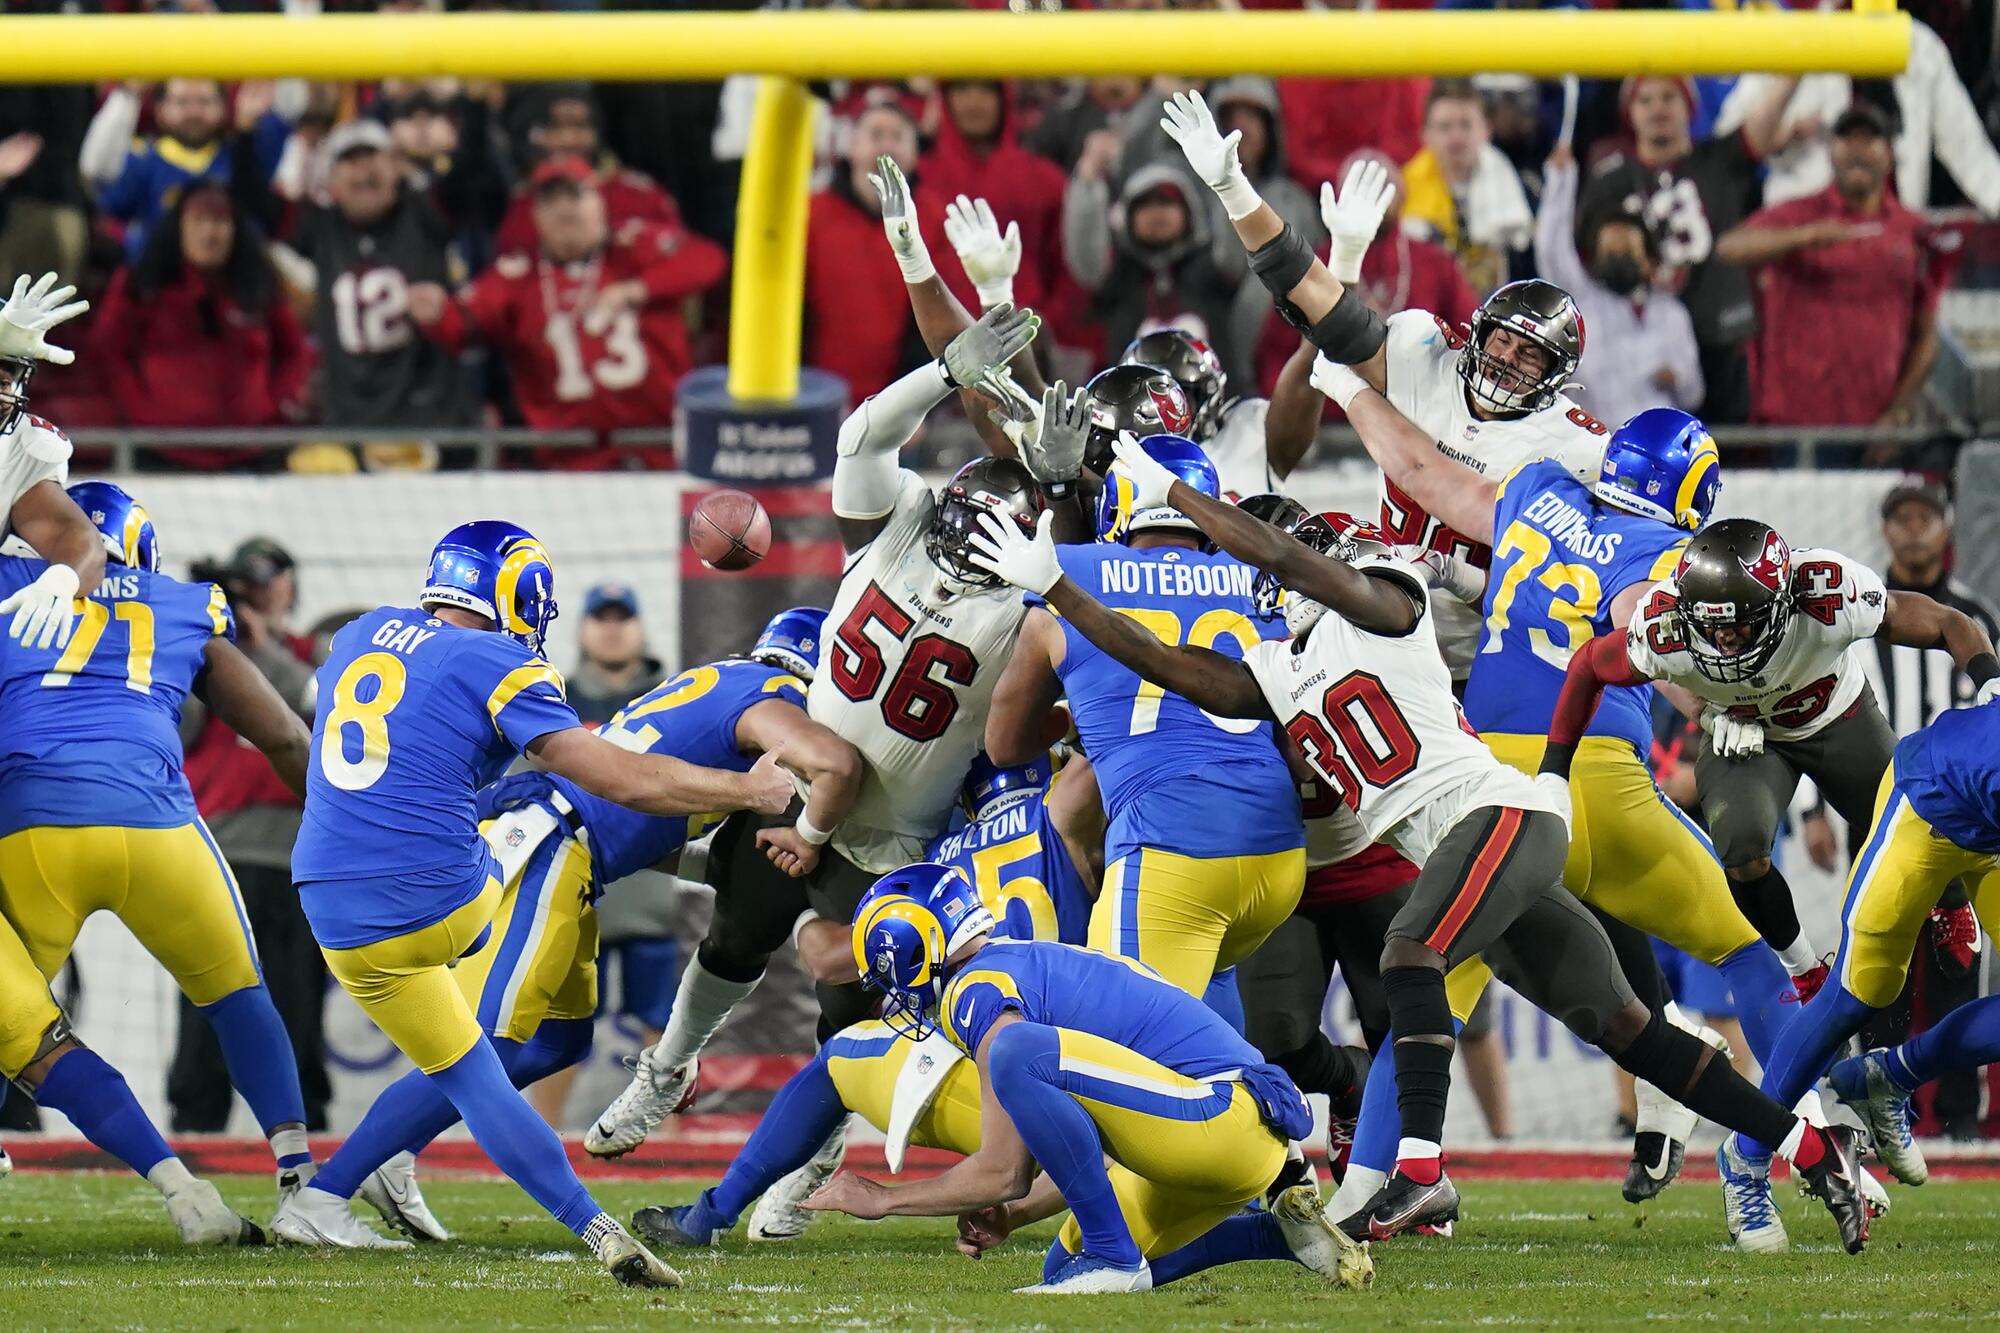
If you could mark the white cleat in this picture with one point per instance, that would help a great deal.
(1083, 1275)
(202, 1217)
(6, 1164)
(778, 1216)
(314, 1217)
(1747, 1206)
(632, 1263)
(391, 1190)
(292, 1179)
(1317, 1243)
(652, 1095)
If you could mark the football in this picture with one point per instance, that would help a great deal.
(729, 530)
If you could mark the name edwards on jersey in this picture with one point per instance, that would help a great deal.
(1567, 524)
(1174, 579)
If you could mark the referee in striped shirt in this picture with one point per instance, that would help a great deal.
(1913, 686)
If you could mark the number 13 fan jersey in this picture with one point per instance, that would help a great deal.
(906, 677)
(415, 715)
(1559, 560)
(92, 730)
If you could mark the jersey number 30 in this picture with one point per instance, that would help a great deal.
(919, 702)
(366, 719)
(1377, 753)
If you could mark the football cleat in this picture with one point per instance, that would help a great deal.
(6, 1164)
(1317, 1243)
(1294, 1172)
(777, 1216)
(632, 1263)
(664, 1225)
(1404, 1205)
(1955, 939)
(1747, 1206)
(1087, 1275)
(1656, 1163)
(314, 1217)
(391, 1190)
(652, 1095)
(1807, 983)
(1835, 1181)
(1863, 1082)
(202, 1217)
(292, 1179)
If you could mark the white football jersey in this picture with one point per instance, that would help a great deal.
(1423, 384)
(1375, 716)
(1241, 457)
(31, 453)
(1812, 679)
(906, 677)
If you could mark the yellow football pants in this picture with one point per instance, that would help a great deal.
(541, 959)
(170, 887)
(1901, 873)
(1189, 917)
(866, 1059)
(405, 985)
(27, 1010)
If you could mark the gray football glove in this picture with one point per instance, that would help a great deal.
(1000, 335)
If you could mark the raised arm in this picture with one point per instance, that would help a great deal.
(865, 470)
(1308, 295)
(1017, 723)
(1603, 661)
(658, 784)
(1291, 421)
(237, 691)
(1446, 488)
(1204, 677)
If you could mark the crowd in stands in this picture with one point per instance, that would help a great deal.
(414, 257)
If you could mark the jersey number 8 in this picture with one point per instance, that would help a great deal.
(369, 717)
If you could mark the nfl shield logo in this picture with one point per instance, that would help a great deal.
(516, 836)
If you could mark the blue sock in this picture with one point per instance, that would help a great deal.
(1763, 992)
(1223, 997)
(1805, 1047)
(413, 1110)
(1024, 1060)
(1058, 1255)
(520, 1142)
(1230, 1241)
(100, 1103)
(800, 1117)
(261, 1064)
(1965, 1038)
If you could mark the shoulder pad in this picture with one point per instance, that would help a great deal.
(42, 439)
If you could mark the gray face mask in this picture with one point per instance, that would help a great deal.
(1620, 273)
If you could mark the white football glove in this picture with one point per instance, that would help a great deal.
(30, 313)
(990, 257)
(1450, 573)
(1557, 791)
(1988, 692)
(1151, 479)
(1212, 155)
(899, 221)
(1732, 737)
(1000, 547)
(1355, 215)
(45, 610)
(1336, 381)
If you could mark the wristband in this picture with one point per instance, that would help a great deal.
(1057, 492)
(810, 831)
(999, 294)
(1983, 668)
(1345, 259)
(944, 373)
(798, 927)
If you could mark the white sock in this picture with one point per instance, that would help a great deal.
(1798, 956)
(170, 1175)
(290, 1143)
(1790, 1147)
(1418, 1150)
(1357, 1187)
(700, 1007)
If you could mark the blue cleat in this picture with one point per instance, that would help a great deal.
(1747, 1206)
(1865, 1083)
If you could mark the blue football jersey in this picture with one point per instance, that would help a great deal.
(1950, 770)
(415, 715)
(1559, 559)
(92, 732)
(1174, 777)
(693, 717)
(1023, 871)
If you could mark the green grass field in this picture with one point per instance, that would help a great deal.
(87, 1251)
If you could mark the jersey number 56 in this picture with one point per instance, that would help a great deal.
(919, 702)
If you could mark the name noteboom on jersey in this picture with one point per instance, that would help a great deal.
(1175, 580)
(919, 702)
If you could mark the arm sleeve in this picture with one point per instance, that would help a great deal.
(1086, 232)
(1604, 662)
(1958, 139)
(1555, 231)
(865, 471)
(523, 694)
(108, 142)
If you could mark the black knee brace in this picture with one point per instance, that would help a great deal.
(1282, 264)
